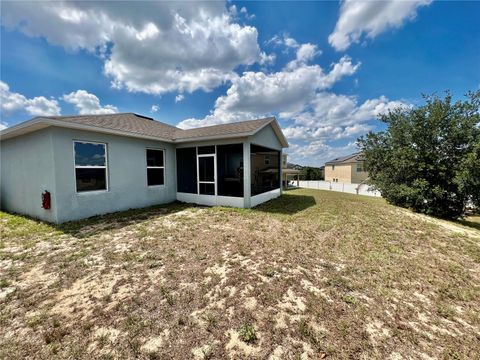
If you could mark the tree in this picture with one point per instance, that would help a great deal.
(311, 173)
(428, 158)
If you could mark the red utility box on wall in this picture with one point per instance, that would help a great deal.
(46, 200)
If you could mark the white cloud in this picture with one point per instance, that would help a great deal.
(3, 125)
(179, 98)
(267, 59)
(154, 108)
(370, 18)
(87, 103)
(304, 54)
(340, 110)
(154, 48)
(37, 106)
(257, 94)
(316, 153)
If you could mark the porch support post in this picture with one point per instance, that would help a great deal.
(280, 168)
(246, 174)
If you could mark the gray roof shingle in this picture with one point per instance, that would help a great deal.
(358, 156)
(223, 129)
(131, 123)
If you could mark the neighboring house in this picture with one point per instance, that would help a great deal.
(346, 169)
(95, 164)
(289, 173)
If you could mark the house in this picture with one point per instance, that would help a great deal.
(289, 173)
(62, 168)
(346, 169)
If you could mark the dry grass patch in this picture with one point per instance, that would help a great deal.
(310, 275)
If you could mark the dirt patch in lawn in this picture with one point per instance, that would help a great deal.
(311, 275)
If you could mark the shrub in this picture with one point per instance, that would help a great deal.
(427, 159)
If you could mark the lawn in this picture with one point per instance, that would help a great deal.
(311, 275)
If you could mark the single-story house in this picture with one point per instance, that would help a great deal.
(348, 169)
(62, 168)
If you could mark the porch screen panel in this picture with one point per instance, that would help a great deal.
(265, 169)
(230, 170)
(187, 170)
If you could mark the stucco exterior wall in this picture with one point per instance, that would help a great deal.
(358, 176)
(26, 171)
(127, 175)
(44, 160)
(346, 173)
(266, 137)
(342, 172)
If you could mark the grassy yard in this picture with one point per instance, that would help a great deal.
(313, 274)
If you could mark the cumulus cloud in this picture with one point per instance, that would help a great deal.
(37, 106)
(370, 18)
(87, 103)
(154, 48)
(257, 94)
(154, 108)
(317, 152)
(179, 98)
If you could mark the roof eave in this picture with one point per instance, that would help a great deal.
(40, 123)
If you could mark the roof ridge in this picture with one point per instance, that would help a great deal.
(84, 115)
(231, 123)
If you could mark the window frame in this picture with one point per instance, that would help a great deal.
(155, 167)
(75, 167)
(362, 166)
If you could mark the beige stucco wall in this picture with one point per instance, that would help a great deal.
(346, 173)
(358, 176)
(342, 172)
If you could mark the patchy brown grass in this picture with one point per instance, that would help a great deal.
(310, 275)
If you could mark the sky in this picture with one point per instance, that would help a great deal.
(325, 69)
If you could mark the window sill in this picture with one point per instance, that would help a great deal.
(92, 192)
(154, 187)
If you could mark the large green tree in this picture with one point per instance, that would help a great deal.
(428, 158)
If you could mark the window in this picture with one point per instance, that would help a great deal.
(155, 167)
(90, 166)
(267, 159)
(333, 167)
(360, 166)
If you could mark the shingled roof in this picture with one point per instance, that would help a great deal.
(352, 158)
(131, 124)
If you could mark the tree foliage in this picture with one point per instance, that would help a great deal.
(428, 158)
(311, 173)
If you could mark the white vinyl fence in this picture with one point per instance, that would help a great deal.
(360, 189)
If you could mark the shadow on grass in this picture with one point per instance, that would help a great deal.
(101, 223)
(473, 222)
(287, 204)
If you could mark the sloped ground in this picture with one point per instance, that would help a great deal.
(311, 275)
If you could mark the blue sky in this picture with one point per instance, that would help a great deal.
(325, 69)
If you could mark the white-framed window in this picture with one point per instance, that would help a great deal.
(91, 166)
(360, 166)
(155, 167)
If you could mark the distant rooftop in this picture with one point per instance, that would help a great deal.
(352, 158)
